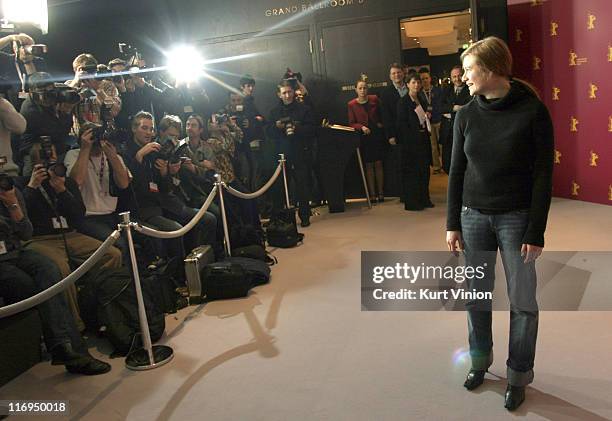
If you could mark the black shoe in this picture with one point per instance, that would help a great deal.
(430, 205)
(305, 223)
(91, 367)
(381, 199)
(373, 200)
(515, 395)
(474, 379)
(63, 354)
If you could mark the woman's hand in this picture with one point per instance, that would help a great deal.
(531, 252)
(454, 241)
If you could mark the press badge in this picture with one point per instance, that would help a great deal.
(153, 187)
(2, 247)
(176, 181)
(187, 109)
(59, 223)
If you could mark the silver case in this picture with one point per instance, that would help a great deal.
(194, 262)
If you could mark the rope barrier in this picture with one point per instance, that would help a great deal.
(178, 233)
(64, 283)
(259, 192)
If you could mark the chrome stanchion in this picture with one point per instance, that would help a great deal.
(219, 184)
(283, 162)
(150, 356)
(363, 177)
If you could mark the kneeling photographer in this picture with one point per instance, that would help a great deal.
(176, 202)
(292, 129)
(56, 208)
(48, 112)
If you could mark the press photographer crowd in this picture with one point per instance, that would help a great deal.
(116, 139)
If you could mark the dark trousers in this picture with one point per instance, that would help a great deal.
(483, 234)
(415, 172)
(101, 226)
(299, 174)
(30, 273)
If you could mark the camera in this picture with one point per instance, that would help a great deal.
(167, 151)
(289, 125)
(36, 50)
(61, 93)
(221, 118)
(6, 181)
(47, 159)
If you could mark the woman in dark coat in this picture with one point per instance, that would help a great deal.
(415, 147)
(364, 116)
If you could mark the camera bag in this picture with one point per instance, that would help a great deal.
(224, 280)
(282, 230)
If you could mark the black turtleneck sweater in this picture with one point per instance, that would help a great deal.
(503, 159)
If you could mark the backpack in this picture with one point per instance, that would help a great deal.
(282, 230)
(118, 309)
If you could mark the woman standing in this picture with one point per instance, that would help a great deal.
(364, 116)
(499, 193)
(414, 127)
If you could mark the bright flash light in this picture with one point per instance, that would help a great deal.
(185, 63)
(27, 11)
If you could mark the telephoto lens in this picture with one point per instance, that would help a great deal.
(6, 182)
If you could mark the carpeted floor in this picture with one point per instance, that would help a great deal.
(301, 348)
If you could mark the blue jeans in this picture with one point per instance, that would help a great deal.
(483, 235)
(30, 273)
(101, 226)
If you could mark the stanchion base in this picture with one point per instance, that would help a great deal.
(139, 360)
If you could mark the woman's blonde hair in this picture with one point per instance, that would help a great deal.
(493, 54)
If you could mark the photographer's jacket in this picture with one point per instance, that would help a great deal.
(43, 121)
(11, 232)
(147, 183)
(304, 134)
(53, 213)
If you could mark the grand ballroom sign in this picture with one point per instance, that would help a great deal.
(293, 9)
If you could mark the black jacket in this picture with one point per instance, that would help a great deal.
(42, 121)
(11, 232)
(302, 139)
(148, 202)
(414, 142)
(68, 204)
(389, 98)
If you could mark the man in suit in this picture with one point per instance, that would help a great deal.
(455, 96)
(389, 97)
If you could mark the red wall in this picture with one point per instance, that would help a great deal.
(583, 168)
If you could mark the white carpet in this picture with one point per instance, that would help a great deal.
(301, 348)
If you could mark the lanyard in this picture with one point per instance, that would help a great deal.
(101, 171)
(44, 193)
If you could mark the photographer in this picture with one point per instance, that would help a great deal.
(56, 208)
(100, 99)
(23, 52)
(24, 273)
(135, 92)
(101, 175)
(153, 186)
(243, 158)
(48, 111)
(292, 129)
(176, 201)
